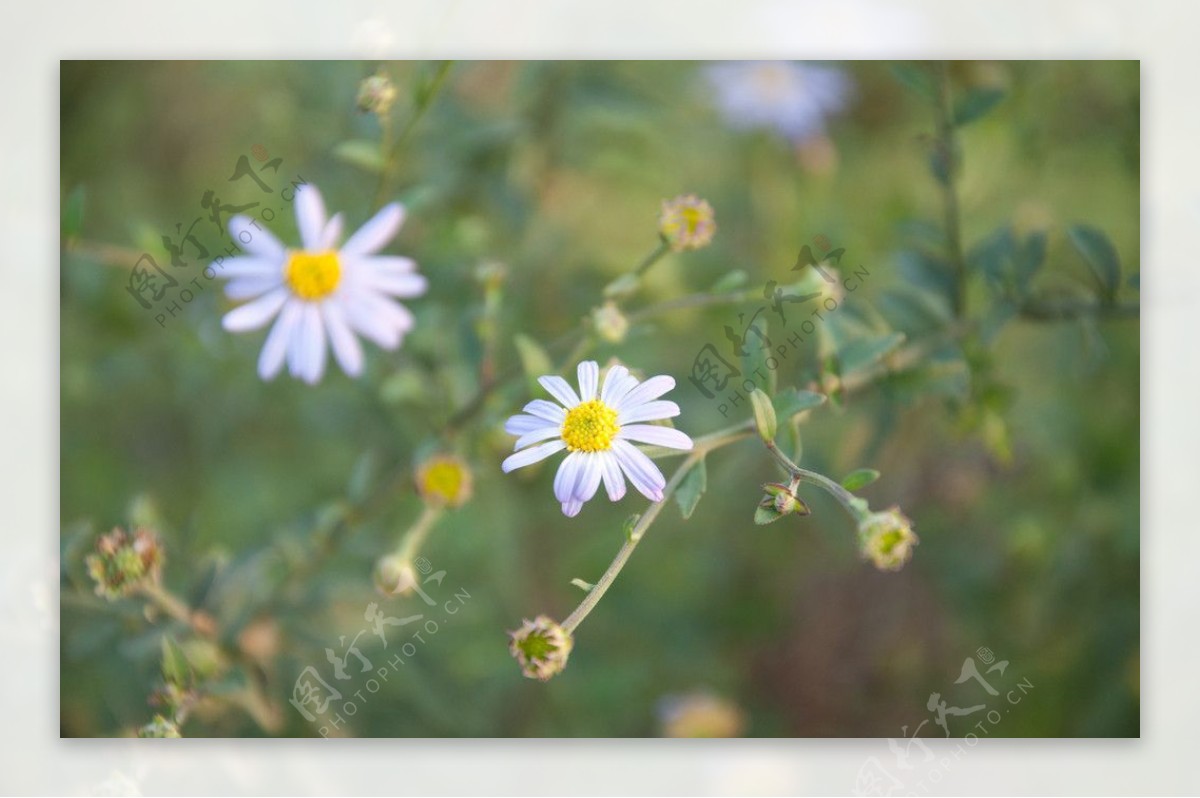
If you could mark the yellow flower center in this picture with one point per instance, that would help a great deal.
(445, 480)
(313, 275)
(590, 427)
(693, 217)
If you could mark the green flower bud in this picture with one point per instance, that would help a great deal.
(887, 539)
(395, 576)
(609, 323)
(541, 647)
(159, 727)
(376, 94)
(123, 562)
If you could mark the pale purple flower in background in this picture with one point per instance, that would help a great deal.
(792, 98)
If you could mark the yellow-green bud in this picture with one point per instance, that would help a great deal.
(159, 727)
(395, 576)
(123, 562)
(610, 323)
(445, 481)
(376, 94)
(541, 647)
(887, 539)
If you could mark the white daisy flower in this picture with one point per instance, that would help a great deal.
(319, 292)
(598, 426)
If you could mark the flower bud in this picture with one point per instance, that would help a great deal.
(376, 94)
(687, 222)
(610, 323)
(784, 499)
(445, 481)
(123, 562)
(541, 647)
(887, 539)
(395, 576)
(159, 727)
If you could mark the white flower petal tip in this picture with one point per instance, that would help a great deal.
(320, 297)
(597, 427)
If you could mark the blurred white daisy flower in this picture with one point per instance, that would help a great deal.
(320, 293)
(789, 97)
(598, 427)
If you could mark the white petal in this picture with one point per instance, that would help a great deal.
(254, 238)
(589, 376)
(346, 347)
(332, 232)
(310, 357)
(560, 390)
(567, 476)
(385, 264)
(250, 287)
(657, 436)
(378, 318)
(547, 410)
(244, 266)
(650, 389)
(310, 216)
(539, 434)
(255, 314)
(276, 346)
(617, 383)
(589, 477)
(531, 455)
(401, 285)
(571, 508)
(522, 424)
(650, 411)
(377, 232)
(614, 480)
(641, 471)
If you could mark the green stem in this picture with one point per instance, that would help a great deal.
(411, 544)
(392, 151)
(948, 150)
(654, 257)
(854, 505)
(701, 447)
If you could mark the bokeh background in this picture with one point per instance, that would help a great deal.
(1026, 501)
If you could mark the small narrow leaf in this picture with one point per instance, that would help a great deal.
(1095, 248)
(534, 360)
(586, 587)
(175, 668)
(361, 153)
(975, 104)
(629, 525)
(688, 494)
(766, 513)
(764, 415)
(859, 479)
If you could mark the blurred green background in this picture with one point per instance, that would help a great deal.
(1028, 519)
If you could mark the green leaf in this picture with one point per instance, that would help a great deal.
(764, 415)
(766, 513)
(586, 587)
(790, 401)
(917, 79)
(534, 360)
(175, 667)
(754, 362)
(866, 352)
(72, 212)
(629, 525)
(361, 153)
(975, 104)
(1029, 258)
(730, 282)
(859, 479)
(1095, 248)
(688, 494)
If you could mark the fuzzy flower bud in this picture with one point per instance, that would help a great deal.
(395, 575)
(159, 727)
(610, 322)
(445, 481)
(123, 562)
(784, 499)
(887, 539)
(541, 647)
(687, 222)
(376, 94)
